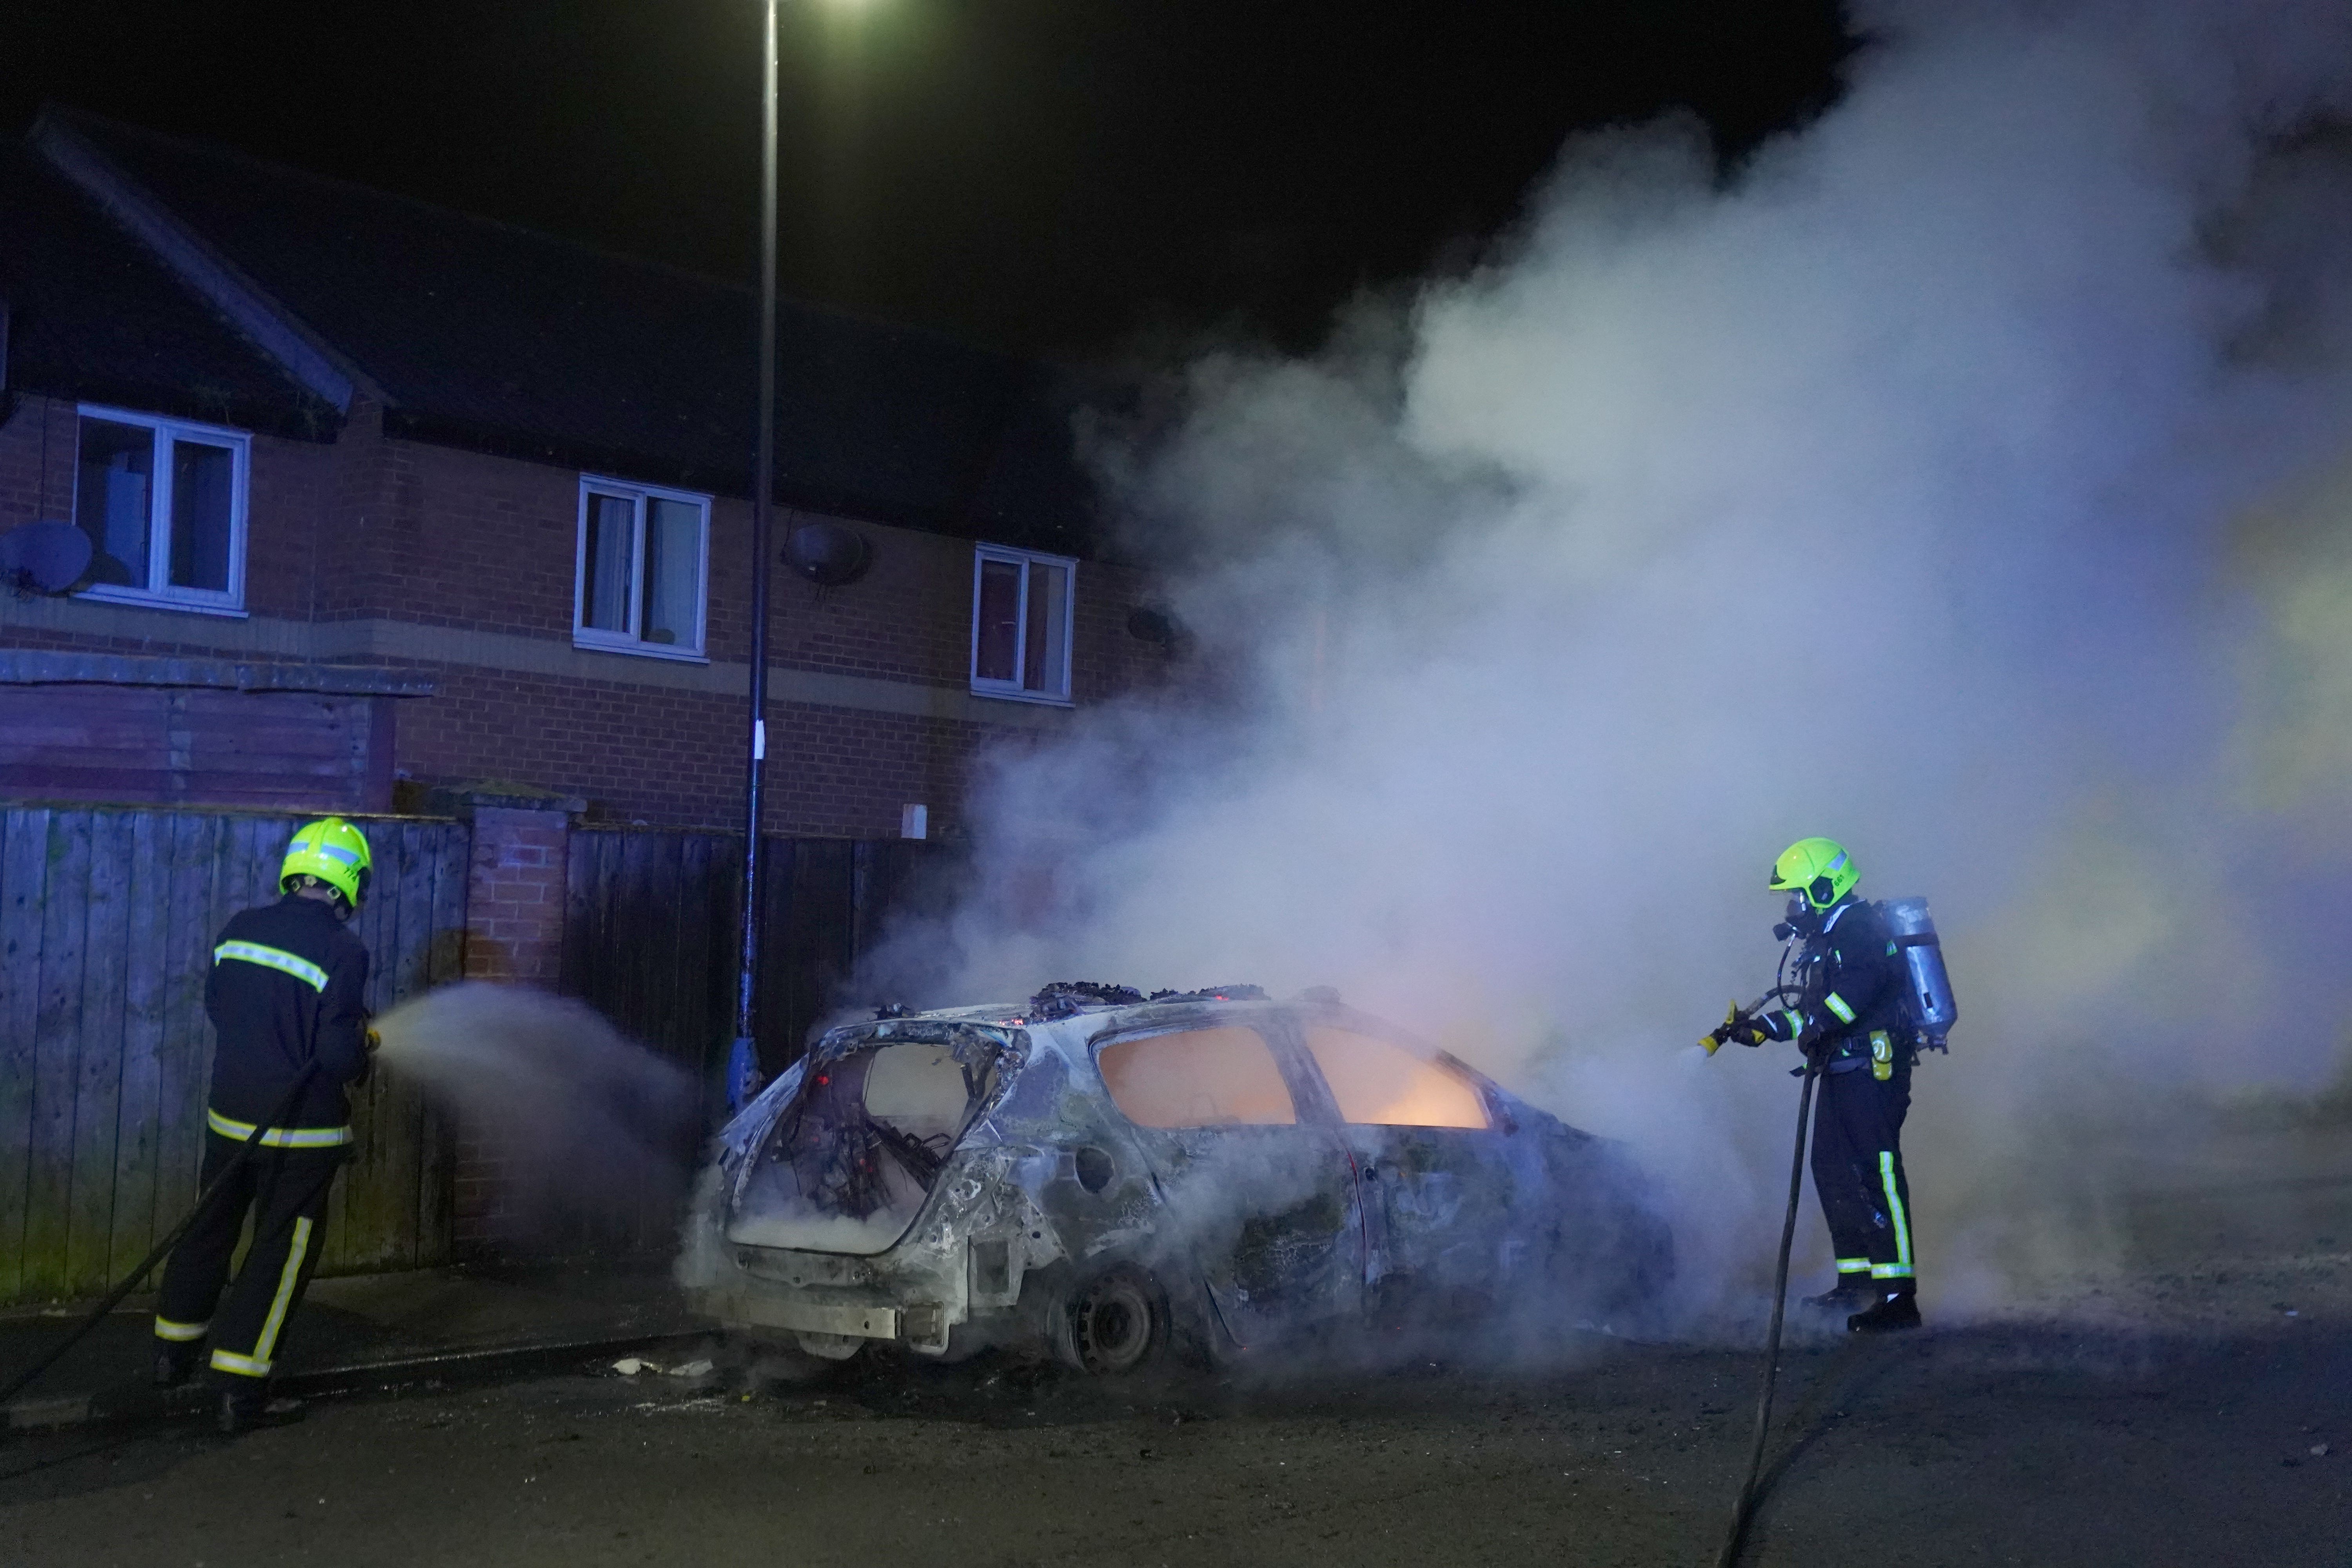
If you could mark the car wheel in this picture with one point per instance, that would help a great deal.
(1119, 1322)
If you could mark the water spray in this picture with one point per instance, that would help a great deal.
(593, 1130)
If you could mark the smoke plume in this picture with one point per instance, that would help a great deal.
(1963, 476)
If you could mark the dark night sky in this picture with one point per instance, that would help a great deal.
(1054, 176)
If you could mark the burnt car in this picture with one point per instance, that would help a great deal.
(1108, 1176)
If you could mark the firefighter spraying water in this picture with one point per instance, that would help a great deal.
(1860, 992)
(1861, 984)
(593, 1132)
(284, 993)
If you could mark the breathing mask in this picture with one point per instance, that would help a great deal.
(1803, 919)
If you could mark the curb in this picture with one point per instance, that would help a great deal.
(135, 1403)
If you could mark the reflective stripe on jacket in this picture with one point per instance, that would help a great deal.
(1850, 980)
(286, 988)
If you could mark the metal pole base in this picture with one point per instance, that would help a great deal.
(742, 1073)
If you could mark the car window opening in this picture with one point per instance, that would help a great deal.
(1378, 1083)
(856, 1154)
(1197, 1078)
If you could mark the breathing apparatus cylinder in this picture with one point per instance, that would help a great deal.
(1928, 999)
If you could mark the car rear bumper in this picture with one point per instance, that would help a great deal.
(922, 1325)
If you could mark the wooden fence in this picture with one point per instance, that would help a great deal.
(106, 919)
(650, 933)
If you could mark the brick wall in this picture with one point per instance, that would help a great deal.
(37, 461)
(374, 527)
(514, 931)
(289, 492)
(463, 539)
(514, 896)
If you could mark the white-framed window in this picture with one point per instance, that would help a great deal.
(1021, 618)
(643, 571)
(163, 503)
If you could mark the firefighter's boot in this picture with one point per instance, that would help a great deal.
(1897, 1309)
(243, 1409)
(1853, 1293)
(174, 1363)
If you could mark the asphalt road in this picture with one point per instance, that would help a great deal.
(2194, 1409)
(1983, 1445)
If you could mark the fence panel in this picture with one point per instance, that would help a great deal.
(24, 848)
(106, 919)
(651, 920)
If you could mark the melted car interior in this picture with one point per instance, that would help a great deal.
(856, 1152)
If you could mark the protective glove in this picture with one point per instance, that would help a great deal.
(1736, 1026)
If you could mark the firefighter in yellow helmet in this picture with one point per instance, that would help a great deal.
(285, 997)
(1845, 1010)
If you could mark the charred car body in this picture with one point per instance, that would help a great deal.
(1107, 1174)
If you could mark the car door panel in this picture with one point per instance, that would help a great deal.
(1439, 1182)
(1261, 1201)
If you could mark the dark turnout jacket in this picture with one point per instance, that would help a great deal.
(1851, 977)
(285, 990)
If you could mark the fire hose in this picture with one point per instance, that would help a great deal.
(212, 1189)
(1743, 1509)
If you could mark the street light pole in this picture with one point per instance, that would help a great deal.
(743, 1060)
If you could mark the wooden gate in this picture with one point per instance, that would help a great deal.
(650, 931)
(107, 921)
(650, 941)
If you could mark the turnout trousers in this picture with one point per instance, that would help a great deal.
(286, 1190)
(1858, 1172)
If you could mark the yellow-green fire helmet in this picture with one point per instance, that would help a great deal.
(333, 851)
(1818, 867)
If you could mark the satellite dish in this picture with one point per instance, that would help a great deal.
(46, 557)
(827, 553)
(1157, 627)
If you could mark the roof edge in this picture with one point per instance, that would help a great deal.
(273, 329)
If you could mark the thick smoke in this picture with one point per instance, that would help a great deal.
(1954, 478)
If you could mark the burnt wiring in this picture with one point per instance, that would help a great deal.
(1218, 993)
(847, 1172)
(923, 1161)
(835, 1147)
(1064, 998)
(838, 1169)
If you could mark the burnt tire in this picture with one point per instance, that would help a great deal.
(1119, 1322)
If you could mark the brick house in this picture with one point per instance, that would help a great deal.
(383, 497)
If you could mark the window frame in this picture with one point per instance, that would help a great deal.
(1303, 1112)
(1013, 690)
(596, 639)
(1444, 1062)
(163, 430)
